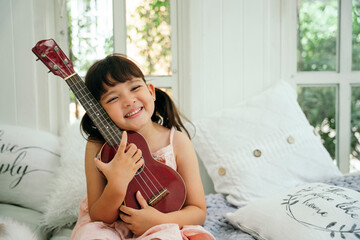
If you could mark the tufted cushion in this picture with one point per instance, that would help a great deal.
(28, 160)
(261, 147)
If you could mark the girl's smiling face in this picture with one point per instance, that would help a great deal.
(129, 104)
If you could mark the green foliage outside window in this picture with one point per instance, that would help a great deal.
(88, 33)
(317, 31)
(149, 36)
(356, 35)
(318, 104)
(91, 35)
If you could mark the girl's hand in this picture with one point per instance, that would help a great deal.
(140, 220)
(122, 168)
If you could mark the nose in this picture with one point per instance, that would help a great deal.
(128, 100)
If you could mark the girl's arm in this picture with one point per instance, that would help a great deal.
(194, 209)
(106, 189)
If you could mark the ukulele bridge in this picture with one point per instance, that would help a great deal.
(158, 197)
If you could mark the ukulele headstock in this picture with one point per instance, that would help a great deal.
(54, 58)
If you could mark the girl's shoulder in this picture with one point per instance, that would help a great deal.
(181, 140)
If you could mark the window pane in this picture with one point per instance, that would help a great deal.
(317, 28)
(90, 39)
(319, 106)
(90, 32)
(355, 129)
(148, 35)
(356, 35)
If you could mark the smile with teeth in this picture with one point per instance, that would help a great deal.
(133, 113)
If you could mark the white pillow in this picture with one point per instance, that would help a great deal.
(11, 229)
(28, 160)
(261, 147)
(311, 211)
(69, 185)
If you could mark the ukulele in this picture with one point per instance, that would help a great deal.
(161, 186)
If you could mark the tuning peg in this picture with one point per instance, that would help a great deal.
(37, 59)
(49, 71)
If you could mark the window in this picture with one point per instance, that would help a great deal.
(145, 30)
(321, 54)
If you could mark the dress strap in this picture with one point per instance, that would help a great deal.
(172, 131)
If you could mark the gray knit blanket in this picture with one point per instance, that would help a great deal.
(217, 207)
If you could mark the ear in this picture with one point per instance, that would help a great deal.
(152, 90)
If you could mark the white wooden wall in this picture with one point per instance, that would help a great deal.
(234, 52)
(28, 95)
(230, 50)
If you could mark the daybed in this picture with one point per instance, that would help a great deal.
(264, 169)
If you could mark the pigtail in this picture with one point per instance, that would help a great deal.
(166, 113)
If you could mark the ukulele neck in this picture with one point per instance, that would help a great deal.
(102, 121)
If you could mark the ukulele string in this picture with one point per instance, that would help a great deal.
(97, 111)
(161, 186)
(156, 189)
(84, 92)
(143, 179)
(75, 83)
(143, 190)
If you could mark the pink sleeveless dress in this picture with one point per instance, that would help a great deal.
(87, 230)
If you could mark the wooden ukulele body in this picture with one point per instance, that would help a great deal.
(160, 185)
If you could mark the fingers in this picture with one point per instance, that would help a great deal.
(125, 218)
(99, 164)
(123, 142)
(126, 210)
(130, 150)
(141, 200)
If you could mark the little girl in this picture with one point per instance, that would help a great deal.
(120, 87)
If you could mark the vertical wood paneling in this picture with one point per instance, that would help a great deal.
(233, 49)
(8, 113)
(59, 116)
(27, 97)
(253, 50)
(24, 68)
(212, 54)
(239, 52)
(193, 90)
(47, 106)
(273, 47)
(40, 74)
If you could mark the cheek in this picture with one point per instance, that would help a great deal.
(151, 105)
(113, 111)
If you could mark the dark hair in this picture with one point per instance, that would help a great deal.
(122, 69)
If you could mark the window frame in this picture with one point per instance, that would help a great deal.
(119, 25)
(344, 78)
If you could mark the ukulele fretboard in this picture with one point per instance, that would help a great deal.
(107, 128)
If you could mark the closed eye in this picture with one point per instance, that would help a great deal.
(135, 88)
(111, 100)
